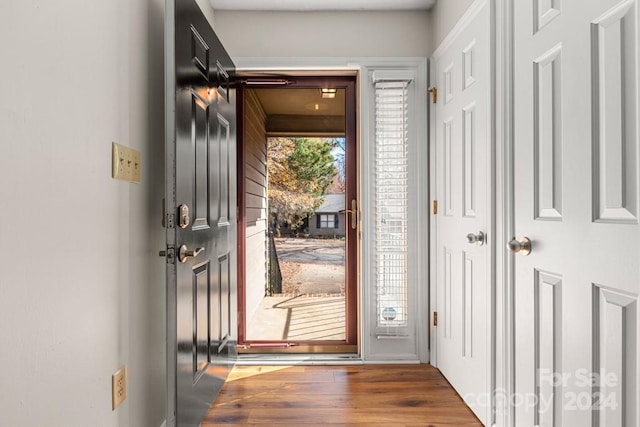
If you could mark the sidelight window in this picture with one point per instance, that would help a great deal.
(391, 202)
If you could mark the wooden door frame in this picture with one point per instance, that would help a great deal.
(348, 83)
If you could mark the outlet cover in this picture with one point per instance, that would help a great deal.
(118, 387)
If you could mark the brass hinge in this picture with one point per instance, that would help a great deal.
(435, 318)
(434, 207)
(434, 94)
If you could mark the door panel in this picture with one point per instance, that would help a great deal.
(200, 231)
(576, 198)
(462, 187)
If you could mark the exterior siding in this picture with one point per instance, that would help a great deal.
(255, 168)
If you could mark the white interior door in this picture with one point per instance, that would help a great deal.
(462, 72)
(576, 199)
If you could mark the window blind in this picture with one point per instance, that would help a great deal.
(391, 202)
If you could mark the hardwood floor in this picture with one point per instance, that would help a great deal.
(372, 395)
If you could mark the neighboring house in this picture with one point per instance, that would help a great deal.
(329, 219)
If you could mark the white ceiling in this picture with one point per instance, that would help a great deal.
(312, 5)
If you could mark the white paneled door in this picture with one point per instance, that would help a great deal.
(463, 244)
(576, 199)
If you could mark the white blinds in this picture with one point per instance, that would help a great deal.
(391, 198)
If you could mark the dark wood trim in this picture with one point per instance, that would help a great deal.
(317, 347)
(351, 260)
(242, 220)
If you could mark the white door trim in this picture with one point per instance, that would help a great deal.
(419, 196)
(457, 29)
(504, 375)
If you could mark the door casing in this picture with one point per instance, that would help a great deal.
(348, 83)
(360, 67)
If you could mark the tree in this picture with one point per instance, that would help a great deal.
(300, 170)
(339, 184)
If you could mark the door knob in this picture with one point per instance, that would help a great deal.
(478, 239)
(520, 245)
(185, 253)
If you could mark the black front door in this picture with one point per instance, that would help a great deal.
(201, 211)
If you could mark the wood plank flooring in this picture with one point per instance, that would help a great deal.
(372, 395)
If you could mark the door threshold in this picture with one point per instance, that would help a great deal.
(298, 359)
(295, 348)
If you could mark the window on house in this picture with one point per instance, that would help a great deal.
(327, 221)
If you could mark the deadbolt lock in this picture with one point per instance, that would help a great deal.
(183, 214)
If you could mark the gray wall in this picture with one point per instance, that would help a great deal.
(81, 283)
(324, 34)
(255, 142)
(444, 16)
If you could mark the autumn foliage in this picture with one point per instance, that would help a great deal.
(300, 170)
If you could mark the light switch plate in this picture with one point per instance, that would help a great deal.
(126, 163)
(135, 166)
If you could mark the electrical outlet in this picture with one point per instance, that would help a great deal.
(118, 387)
(125, 163)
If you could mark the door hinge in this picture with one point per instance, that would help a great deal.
(171, 255)
(435, 318)
(434, 207)
(434, 94)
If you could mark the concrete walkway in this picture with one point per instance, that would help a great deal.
(313, 307)
(299, 318)
(319, 265)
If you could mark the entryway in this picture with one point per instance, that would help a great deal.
(298, 215)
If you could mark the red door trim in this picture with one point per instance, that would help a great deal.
(351, 262)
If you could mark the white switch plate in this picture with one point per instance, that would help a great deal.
(126, 163)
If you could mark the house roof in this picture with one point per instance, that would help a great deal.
(332, 203)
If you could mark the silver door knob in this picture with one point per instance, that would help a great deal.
(185, 253)
(520, 245)
(478, 238)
